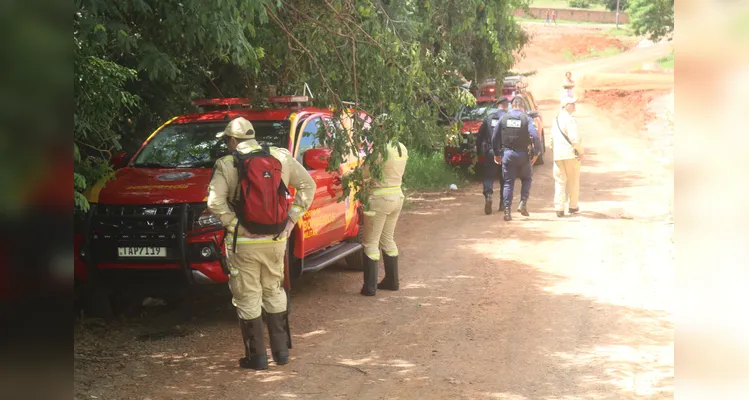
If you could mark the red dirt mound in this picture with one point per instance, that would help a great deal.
(625, 104)
(581, 44)
(549, 44)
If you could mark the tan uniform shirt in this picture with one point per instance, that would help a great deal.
(562, 149)
(223, 188)
(392, 169)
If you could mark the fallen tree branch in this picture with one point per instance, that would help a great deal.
(344, 366)
(312, 57)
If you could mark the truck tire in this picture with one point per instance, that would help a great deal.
(97, 303)
(295, 264)
(354, 261)
(540, 159)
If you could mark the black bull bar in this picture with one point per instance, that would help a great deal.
(181, 233)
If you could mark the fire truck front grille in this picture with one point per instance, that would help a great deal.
(136, 226)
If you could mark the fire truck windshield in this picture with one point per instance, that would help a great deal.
(194, 145)
(481, 111)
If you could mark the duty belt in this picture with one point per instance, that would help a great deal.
(386, 190)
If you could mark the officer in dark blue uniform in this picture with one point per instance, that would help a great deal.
(514, 144)
(484, 146)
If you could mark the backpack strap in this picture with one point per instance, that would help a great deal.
(239, 165)
(397, 145)
(577, 154)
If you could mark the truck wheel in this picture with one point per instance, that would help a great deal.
(295, 264)
(354, 260)
(540, 159)
(97, 303)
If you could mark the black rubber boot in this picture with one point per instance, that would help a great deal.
(574, 210)
(560, 214)
(369, 288)
(508, 216)
(390, 281)
(487, 205)
(522, 208)
(278, 338)
(254, 344)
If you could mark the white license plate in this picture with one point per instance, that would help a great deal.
(141, 251)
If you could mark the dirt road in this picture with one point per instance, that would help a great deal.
(537, 308)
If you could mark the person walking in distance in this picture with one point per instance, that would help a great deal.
(380, 219)
(554, 16)
(566, 143)
(568, 85)
(515, 145)
(256, 231)
(547, 17)
(484, 147)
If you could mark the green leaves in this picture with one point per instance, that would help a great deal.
(140, 62)
(655, 19)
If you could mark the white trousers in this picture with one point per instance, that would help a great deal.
(566, 183)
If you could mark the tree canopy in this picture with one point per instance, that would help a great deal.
(140, 62)
(654, 18)
(611, 4)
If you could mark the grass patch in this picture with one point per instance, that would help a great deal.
(666, 62)
(623, 30)
(564, 4)
(592, 53)
(525, 74)
(562, 21)
(429, 172)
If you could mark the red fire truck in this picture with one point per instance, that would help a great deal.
(460, 150)
(148, 225)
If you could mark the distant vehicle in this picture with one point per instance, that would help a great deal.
(460, 150)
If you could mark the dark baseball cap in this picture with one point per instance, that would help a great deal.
(503, 99)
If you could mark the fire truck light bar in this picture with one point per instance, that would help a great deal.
(222, 102)
(289, 99)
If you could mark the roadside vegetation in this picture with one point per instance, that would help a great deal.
(666, 62)
(652, 18)
(560, 21)
(139, 63)
(592, 53)
(621, 31)
(560, 4)
(428, 171)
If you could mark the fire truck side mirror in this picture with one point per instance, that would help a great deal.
(533, 114)
(120, 160)
(316, 159)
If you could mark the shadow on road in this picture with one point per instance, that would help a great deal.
(571, 345)
(468, 321)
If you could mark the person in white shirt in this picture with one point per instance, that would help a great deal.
(568, 152)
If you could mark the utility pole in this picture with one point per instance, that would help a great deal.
(617, 14)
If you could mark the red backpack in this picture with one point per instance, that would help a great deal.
(263, 206)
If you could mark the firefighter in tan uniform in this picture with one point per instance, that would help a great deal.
(257, 265)
(385, 203)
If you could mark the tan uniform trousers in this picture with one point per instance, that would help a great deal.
(379, 224)
(256, 278)
(566, 183)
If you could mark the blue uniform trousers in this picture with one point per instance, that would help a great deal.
(491, 170)
(516, 164)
